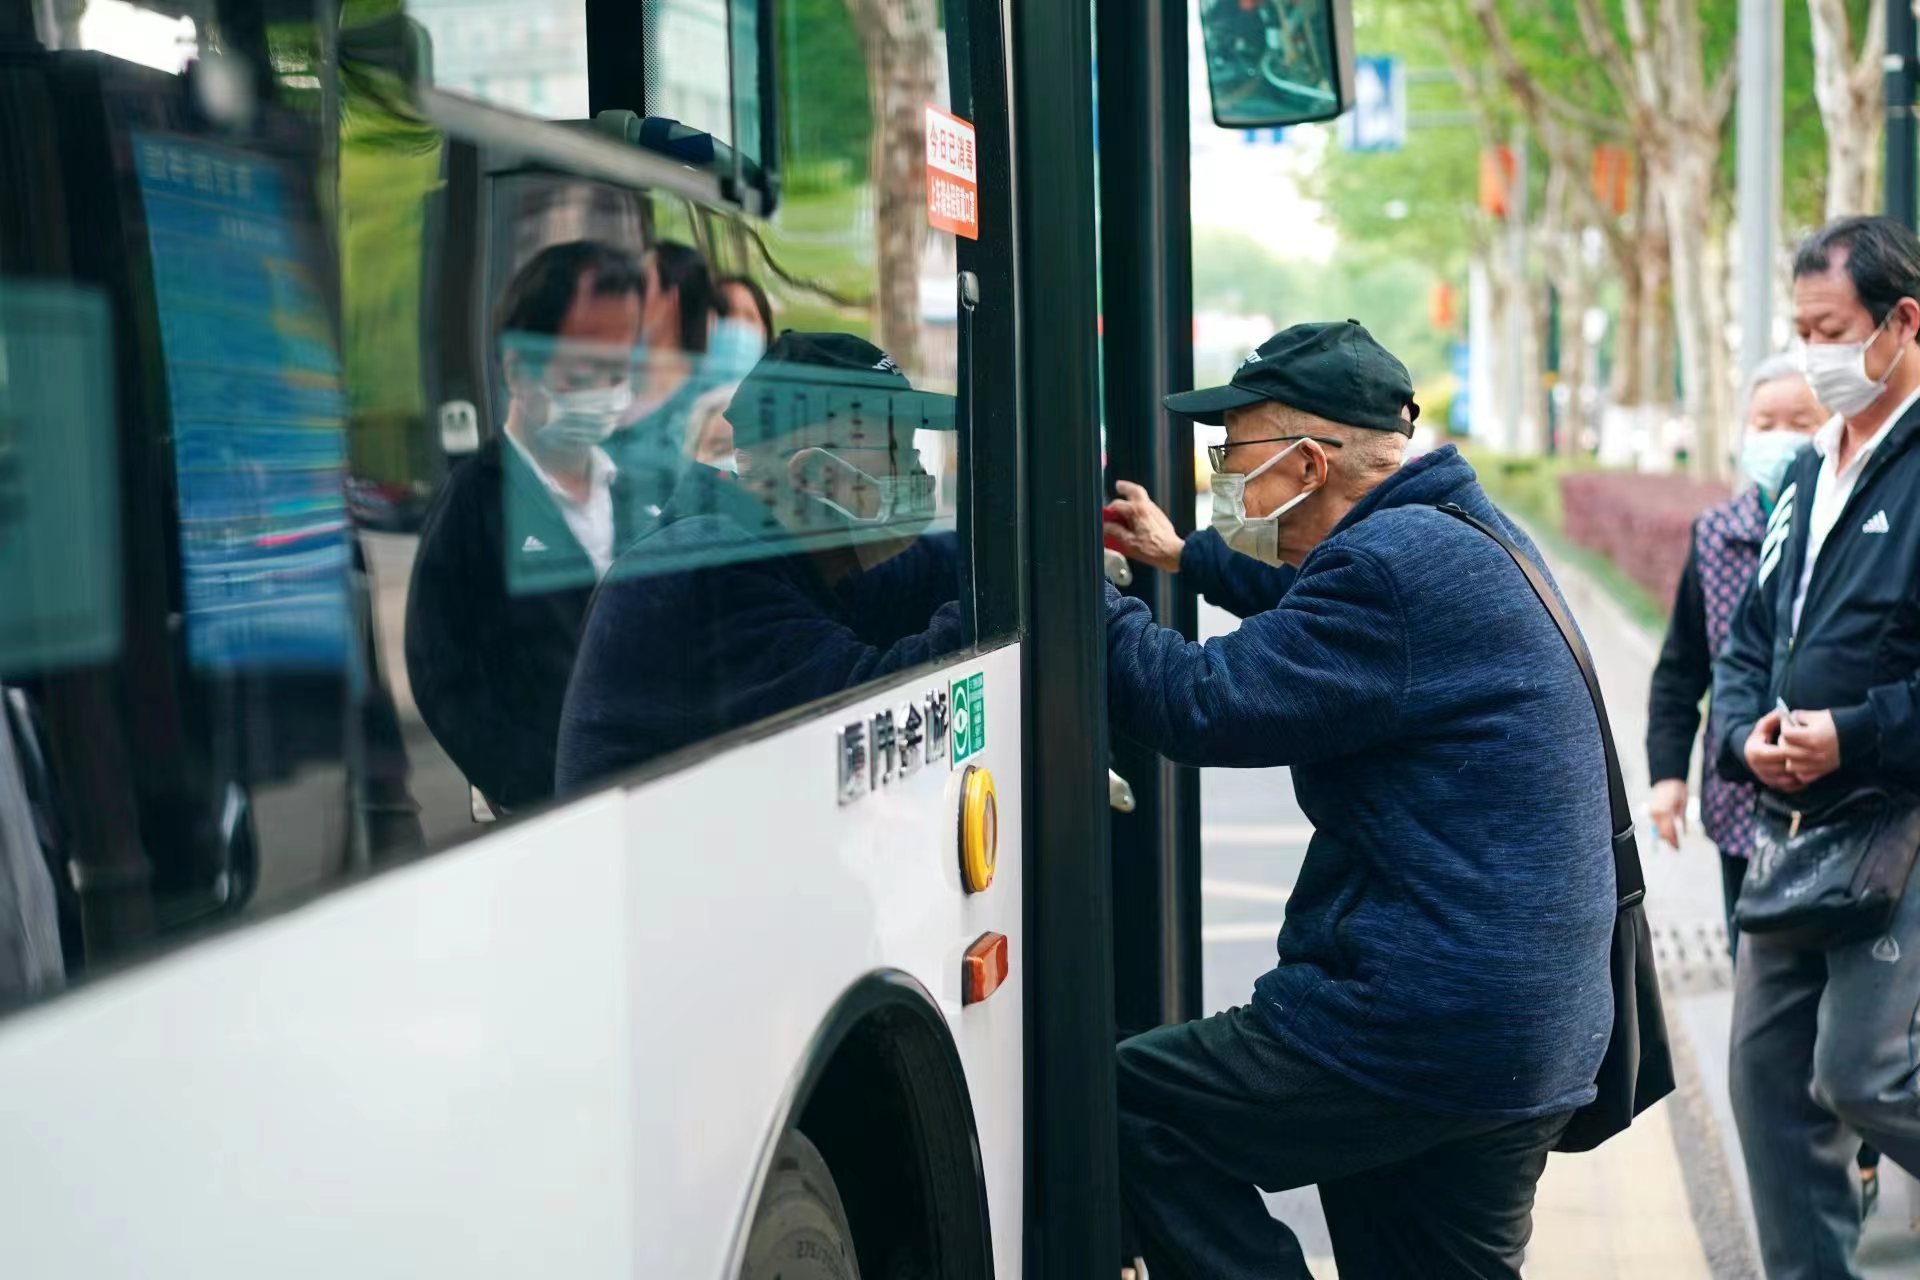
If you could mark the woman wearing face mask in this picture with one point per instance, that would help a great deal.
(742, 324)
(1782, 416)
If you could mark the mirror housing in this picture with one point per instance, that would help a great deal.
(1272, 63)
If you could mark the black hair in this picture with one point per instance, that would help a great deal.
(679, 266)
(761, 307)
(541, 293)
(1883, 259)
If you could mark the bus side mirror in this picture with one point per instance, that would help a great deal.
(1272, 63)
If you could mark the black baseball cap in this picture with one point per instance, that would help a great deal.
(832, 383)
(1332, 369)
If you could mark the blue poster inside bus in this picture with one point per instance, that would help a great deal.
(258, 409)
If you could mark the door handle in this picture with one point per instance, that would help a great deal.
(1119, 572)
(1119, 792)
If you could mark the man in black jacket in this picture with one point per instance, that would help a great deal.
(525, 528)
(1816, 695)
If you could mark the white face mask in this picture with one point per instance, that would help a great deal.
(1256, 537)
(1837, 372)
(1765, 457)
(588, 417)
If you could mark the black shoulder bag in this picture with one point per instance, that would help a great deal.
(1638, 1068)
(1825, 877)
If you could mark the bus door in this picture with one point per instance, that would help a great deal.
(1196, 914)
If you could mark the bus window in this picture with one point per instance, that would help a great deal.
(529, 55)
(368, 478)
(532, 58)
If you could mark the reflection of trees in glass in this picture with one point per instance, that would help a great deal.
(389, 163)
(852, 152)
(899, 38)
(824, 120)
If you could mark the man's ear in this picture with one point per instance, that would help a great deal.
(1314, 463)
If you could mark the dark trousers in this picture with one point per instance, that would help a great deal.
(1824, 1054)
(1733, 874)
(1210, 1110)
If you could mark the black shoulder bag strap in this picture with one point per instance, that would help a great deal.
(1629, 882)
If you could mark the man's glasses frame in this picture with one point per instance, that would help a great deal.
(1217, 453)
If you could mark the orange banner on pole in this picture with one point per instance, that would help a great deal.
(1612, 178)
(1496, 180)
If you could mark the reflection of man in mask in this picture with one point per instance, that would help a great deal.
(525, 528)
(802, 577)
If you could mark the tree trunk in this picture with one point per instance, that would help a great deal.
(1576, 295)
(897, 37)
(1628, 383)
(1847, 84)
(1699, 303)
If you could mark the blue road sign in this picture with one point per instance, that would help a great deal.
(1378, 121)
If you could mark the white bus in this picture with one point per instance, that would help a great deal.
(503, 771)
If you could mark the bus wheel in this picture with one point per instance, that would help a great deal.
(800, 1230)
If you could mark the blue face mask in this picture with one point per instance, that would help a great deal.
(733, 348)
(1765, 457)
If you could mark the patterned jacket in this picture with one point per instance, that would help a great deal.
(1720, 565)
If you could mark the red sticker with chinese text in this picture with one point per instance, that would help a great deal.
(953, 191)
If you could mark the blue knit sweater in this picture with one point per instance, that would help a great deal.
(1447, 940)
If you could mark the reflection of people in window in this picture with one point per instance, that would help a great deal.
(709, 438)
(744, 302)
(739, 303)
(674, 330)
(801, 578)
(524, 529)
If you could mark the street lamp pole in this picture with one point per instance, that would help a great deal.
(1900, 139)
(1757, 174)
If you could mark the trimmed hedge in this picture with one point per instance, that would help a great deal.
(1641, 523)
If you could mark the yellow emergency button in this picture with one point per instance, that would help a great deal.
(979, 829)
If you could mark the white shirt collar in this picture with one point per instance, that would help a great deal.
(600, 472)
(1826, 441)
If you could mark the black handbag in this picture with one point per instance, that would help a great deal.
(1637, 1070)
(1831, 875)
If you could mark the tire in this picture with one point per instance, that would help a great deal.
(799, 1230)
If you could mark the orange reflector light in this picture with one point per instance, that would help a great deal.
(984, 968)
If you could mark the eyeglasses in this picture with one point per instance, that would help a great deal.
(1217, 453)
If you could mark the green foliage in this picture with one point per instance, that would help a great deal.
(825, 120)
(1388, 293)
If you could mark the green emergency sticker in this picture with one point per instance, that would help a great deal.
(969, 717)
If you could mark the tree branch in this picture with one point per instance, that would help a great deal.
(1643, 56)
(1601, 40)
(1868, 69)
(1536, 101)
(1720, 95)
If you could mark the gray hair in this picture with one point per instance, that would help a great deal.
(1366, 456)
(1782, 366)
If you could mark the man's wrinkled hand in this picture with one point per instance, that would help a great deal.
(1767, 758)
(1668, 807)
(1138, 529)
(1811, 743)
